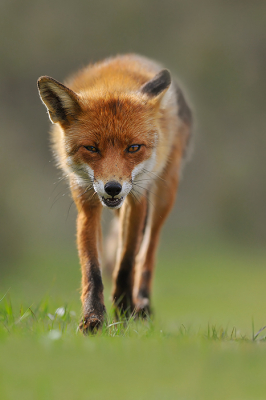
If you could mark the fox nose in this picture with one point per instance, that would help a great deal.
(113, 188)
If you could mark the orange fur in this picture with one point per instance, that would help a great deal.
(120, 134)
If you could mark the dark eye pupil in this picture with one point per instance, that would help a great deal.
(92, 148)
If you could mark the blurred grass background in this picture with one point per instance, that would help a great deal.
(218, 51)
(211, 264)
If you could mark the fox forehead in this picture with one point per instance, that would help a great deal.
(113, 121)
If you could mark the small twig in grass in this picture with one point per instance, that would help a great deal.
(25, 314)
(33, 313)
(232, 333)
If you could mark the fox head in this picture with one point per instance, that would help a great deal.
(108, 138)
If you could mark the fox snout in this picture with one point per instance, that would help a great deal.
(112, 188)
(112, 193)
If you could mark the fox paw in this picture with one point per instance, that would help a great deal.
(91, 322)
(142, 307)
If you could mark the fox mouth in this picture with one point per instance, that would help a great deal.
(112, 202)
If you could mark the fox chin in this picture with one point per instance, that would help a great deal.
(121, 129)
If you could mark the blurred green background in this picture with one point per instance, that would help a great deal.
(217, 49)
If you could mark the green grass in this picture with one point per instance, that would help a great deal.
(204, 341)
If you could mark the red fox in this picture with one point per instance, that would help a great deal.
(122, 128)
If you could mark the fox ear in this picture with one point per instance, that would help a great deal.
(157, 85)
(61, 102)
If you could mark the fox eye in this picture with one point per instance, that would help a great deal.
(133, 148)
(92, 149)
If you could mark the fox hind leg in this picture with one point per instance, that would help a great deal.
(132, 220)
(111, 245)
(163, 200)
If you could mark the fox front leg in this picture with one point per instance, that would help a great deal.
(88, 235)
